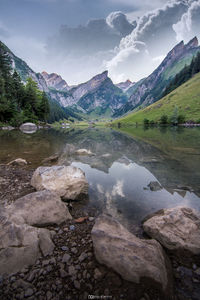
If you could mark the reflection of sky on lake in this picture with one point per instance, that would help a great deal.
(124, 192)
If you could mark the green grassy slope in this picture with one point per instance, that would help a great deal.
(186, 98)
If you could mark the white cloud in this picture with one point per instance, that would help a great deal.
(189, 25)
(118, 189)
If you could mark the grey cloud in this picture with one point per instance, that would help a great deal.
(97, 35)
(120, 23)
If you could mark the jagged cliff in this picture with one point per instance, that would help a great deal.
(55, 81)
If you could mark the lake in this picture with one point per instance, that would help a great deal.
(123, 165)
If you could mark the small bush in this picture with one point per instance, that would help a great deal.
(164, 120)
(146, 122)
(181, 119)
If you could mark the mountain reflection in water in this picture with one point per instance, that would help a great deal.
(122, 166)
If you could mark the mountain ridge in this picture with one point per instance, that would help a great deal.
(151, 88)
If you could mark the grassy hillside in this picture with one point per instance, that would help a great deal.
(186, 98)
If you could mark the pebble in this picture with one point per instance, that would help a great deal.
(91, 219)
(45, 263)
(74, 250)
(66, 258)
(60, 231)
(72, 271)
(63, 274)
(82, 257)
(29, 292)
(194, 267)
(64, 248)
(49, 295)
(77, 284)
(49, 269)
(31, 276)
(72, 227)
(97, 274)
(197, 271)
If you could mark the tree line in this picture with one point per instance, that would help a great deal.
(18, 102)
(184, 75)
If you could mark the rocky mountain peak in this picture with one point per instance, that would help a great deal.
(101, 77)
(176, 50)
(124, 86)
(55, 81)
(192, 43)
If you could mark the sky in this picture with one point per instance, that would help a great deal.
(78, 39)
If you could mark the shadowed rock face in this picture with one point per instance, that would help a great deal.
(177, 229)
(134, 259)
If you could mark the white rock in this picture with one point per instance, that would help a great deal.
(68, 182)
(84, 152)
(18, 162)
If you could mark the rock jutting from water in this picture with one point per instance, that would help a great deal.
(28, 127)
(177, 229)
(18, 162)
(133, 258)
(68, 182)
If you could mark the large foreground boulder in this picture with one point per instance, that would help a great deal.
(134, 259)
(177, 229)
(21, 245)
(68, 182)
(39, 209)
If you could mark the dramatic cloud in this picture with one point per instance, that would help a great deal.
(83, 49)
(189, 25)
(130, 42)
(97, 35)
(140, 52)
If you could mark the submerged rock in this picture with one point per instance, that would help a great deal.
(68, 182)
(39, 209)
(134, 259)
(155, 186)
(84, 152)
(51, 159)
(177, 229)
(18, 162)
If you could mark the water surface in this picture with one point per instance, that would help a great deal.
(123, 165)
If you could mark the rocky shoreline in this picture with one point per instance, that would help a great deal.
(72, 271)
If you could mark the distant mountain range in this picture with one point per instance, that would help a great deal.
(99, 97)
